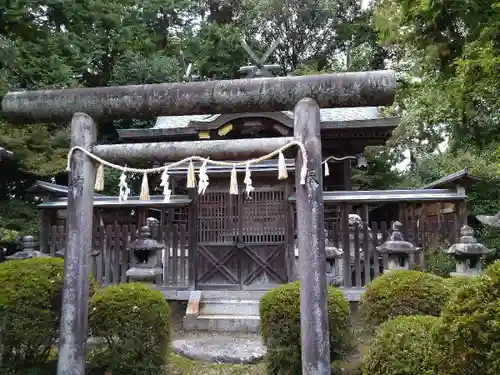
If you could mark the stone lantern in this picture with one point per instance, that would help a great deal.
(28, 246)
(144, 256)
(397, 249)
(468, 253)
(334, 266)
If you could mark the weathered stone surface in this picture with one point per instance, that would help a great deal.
(26, 254)
(354, 89)
(221, 349)
(468, 253)
(160, 152)
(311, 244)
(74, 311)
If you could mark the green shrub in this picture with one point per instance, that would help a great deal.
(439, 263)
(30, 309)
(134, 322)
(455, 283)
(280, 327)
(468, 336)
(402, 346)
(401, 293)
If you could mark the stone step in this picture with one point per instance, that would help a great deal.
(223, 323)
(229, 307)
(226, 323)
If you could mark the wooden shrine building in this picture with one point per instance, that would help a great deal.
(219, 241)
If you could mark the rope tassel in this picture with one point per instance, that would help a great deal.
(327, 169)
(123, 188)
(248, 181)
(99, 178)
(191, 178)
(167, 192)
(144, 188)
(233, 186)
(203, 178)
(282, 172)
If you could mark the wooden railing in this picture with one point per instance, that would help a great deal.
(110, 258)
(430, 217)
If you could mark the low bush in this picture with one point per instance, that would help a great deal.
(439, 263)
(468, 336)
(280, 327)
(456, 283)
(402, 346)
(133, 320)
(401, 293)
(30, 309)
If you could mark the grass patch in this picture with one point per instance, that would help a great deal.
(177, 365)
(182, 366)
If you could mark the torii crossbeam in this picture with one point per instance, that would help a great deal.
(376, 88)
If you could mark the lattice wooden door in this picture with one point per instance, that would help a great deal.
(241, 241)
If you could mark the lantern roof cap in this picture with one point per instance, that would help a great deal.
(145, 241)
(396, 243)
(467, 244)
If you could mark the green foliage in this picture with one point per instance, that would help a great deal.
(134, 322)
(216, 51)
(468, 337)
(402, 346)
(30, 304)
(438, 262)
(456, 283)
(401, 293)
(490, 237)
(378, 174)
(18, 216)
(280, 327)
(312, 33)
(41, 149)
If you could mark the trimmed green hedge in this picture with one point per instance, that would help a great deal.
(402, 346)
(280, 327)
(134, 322)
(468, 336)
(402, 293)
(456, 283)
(30, 309)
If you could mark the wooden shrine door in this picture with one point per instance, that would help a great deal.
(242, 241)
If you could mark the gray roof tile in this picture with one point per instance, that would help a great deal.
(327, 114)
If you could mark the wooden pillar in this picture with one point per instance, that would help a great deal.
(74, 313)
(44, 231)
(290, 234)
(346, 166)
(192, 238)
(311, 244)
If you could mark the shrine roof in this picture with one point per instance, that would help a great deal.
(326, 115)
(392, 196)
(154, 201)
(461, 177)
(43, 187)
(339, 123)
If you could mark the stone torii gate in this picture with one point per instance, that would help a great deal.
(86, 106)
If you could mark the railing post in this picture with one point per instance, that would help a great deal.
(311, 244)
(74, 312)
